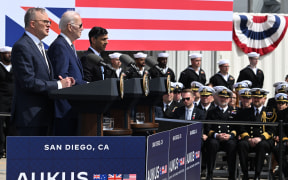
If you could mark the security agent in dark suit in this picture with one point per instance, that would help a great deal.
(140, 67)
(223, 78)
(221, 137)
(282, 101)
(66, 63)
(193, 72)
(189, 111)
(32, 109)
(280, 87)
(6, 93)
(256, 139)
(176, 88)
(162, 64)
(98, 38)
(251, 72)
(167, 107)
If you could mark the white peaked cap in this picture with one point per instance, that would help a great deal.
(140, 55)
(165, 55)
(115, 55)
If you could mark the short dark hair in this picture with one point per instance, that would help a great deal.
(96, 32)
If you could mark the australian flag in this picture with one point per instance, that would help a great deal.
(99, 177)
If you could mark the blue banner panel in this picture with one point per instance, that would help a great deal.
(177, 153)
(157, 156)
(77, 158)
(193, 151)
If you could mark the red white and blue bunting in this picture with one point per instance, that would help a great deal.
(260, 34)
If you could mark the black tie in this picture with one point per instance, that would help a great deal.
(166, 107)
(257, 113)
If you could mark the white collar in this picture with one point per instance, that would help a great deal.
(35, 39)
(7, 67)
(66, 38)
(95, 52)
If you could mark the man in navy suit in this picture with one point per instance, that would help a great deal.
(32, 110)
(65, 62)
(188, 111)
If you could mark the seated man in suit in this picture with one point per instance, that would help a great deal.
(167, 107)
(66, 63)
(221, 136)
(255, 138)
(189, 111)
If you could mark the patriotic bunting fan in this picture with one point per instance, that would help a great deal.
(260, 34)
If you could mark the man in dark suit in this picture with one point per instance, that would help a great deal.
(223, 78)
(167, 107)
(6, 93)
(256, 138)
(162, 63)
(189, 111)
(251, 72)
(32, 110)
(98, 38)
(193, 72)
(65, 62)
(221, 137)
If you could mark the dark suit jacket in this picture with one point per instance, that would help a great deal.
(154, 73)
(66, 64)
(93, 72)
(31, 104)
(189, 75)
(218, 80)
(248, 74)
(168, 113)
(197, 114)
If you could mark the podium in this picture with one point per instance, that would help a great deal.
(93, 99)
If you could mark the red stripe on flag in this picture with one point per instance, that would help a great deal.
(125, 45)
(158, 24)
(159, 4)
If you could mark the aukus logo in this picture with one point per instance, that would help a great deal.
(53, 176)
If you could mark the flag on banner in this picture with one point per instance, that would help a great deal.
(260, 34)
(99, 177)
(181, 161)
(129, 176)
(114, 176)
(159, 25)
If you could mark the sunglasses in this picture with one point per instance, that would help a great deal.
(184, 99)
(79, 25)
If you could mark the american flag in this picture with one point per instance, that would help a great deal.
(164, 169)
(114, 176)
(129, 176)
(159, 25)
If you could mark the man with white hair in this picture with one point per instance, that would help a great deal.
(251, 72)
(66, 63)
(140, 64)
(6, 92)
(193, 72)
(223, 78)
(162, 59)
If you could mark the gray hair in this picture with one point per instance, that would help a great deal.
(30, 15)
(67, 17)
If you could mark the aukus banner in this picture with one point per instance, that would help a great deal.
(76, 158)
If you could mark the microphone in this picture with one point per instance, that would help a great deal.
(128, 61)
(151, 63)
(97, 60)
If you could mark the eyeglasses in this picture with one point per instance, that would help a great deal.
(79, 25)
(184, 99)
(46, 22)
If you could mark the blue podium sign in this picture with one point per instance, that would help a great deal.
(157, 156)
(76, 158)
(193, 152)
(177, 153)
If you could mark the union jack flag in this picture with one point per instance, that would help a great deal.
(114, 176)
(181, 161)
